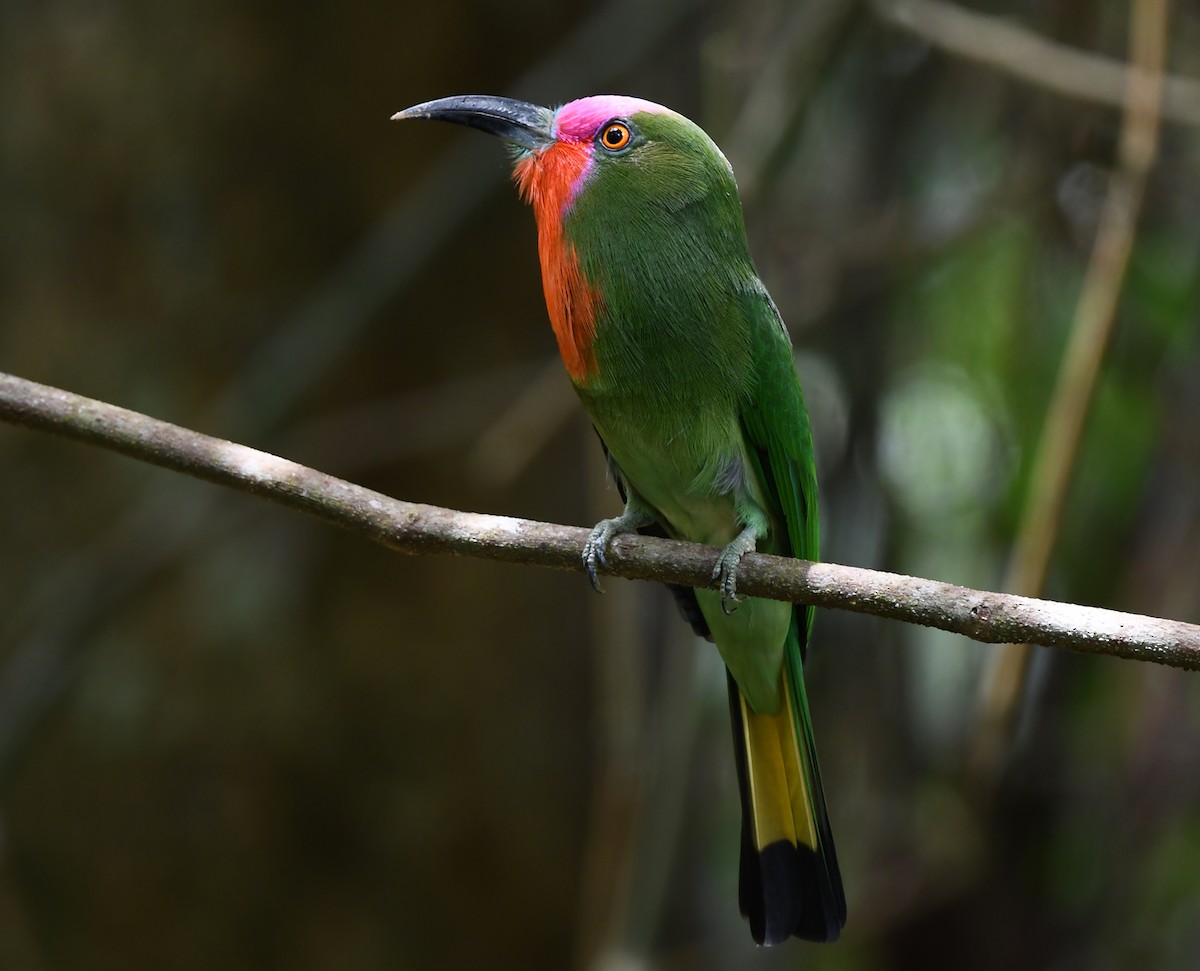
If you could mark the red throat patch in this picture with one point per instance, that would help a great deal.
(547, 181)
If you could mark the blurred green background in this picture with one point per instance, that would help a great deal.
(232, 737)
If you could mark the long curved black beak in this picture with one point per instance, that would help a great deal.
(519, 122)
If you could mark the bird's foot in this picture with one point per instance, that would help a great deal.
(724, 574)
(602, 534)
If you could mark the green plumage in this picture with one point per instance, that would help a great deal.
(695, 394)
(685, 368)
(696, 398)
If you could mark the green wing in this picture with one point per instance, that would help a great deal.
(775, 423)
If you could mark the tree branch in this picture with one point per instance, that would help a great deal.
(414, 528)
(1017, 51)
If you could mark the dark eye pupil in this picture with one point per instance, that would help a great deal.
(614, 135)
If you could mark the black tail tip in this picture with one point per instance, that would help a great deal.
(785, 891)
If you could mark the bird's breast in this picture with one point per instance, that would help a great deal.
(548, 181)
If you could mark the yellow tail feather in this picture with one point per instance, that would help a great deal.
(781, 805)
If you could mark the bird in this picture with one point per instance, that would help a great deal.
(685, 368)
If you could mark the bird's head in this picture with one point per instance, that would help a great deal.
(647, 150)
(627, 195)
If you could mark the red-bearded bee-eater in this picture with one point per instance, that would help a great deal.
(685, 368)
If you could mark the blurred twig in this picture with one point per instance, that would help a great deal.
(773, 113)
(420, 529)
(524, 426)
(380, 432)
(1095, 314)
(1020, 53)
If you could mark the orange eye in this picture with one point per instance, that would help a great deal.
(615, 136)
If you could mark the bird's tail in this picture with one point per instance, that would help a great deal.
(789, 882)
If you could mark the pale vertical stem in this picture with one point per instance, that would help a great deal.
(1095, 315)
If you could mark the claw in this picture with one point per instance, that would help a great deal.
(601, 535)
(724, 574)
(593, 552)
(724, 577)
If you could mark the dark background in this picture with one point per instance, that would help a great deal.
(234, 737)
